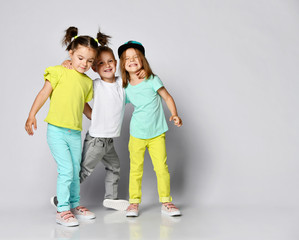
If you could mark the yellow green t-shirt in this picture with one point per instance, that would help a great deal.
(71, 90)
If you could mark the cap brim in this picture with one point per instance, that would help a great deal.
(126, 46)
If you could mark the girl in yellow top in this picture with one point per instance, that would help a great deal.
(68, 90)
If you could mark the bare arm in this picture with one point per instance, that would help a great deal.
(87, 111)
(39, 101)
(171, 106)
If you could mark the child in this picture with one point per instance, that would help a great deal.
(68, 91)
(148, 125)
(106, 120)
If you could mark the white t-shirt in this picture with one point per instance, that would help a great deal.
(108, 108)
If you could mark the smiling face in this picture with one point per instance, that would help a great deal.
(133, 62)
(82, 58)
(106, 66)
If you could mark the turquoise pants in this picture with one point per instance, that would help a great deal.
(66, 148)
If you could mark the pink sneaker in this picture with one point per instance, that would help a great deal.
(66, 218)
(83, 213)
(170, 209)
(132, 210)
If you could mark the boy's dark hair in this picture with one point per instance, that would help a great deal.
(104, 41)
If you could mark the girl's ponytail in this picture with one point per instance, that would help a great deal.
(69, 34)
(72, 40)
(103, 39)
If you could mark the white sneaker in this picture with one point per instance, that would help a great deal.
(116, 204)
(83, 213)
(66, 218)
(132, 210)
(54, 201)
(170, 209)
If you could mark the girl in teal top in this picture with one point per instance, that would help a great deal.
(147, 126)
(68, 91)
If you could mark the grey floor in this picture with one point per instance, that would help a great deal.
(215, 223)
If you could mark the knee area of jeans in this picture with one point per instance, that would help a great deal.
(68, 174)
(76, 178)
(161, 171)
(116, 170)
(136, 170)
(161, 167)
(84, 174)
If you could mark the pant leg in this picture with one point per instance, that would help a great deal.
(61, 153)
(75, 145)
(137, 149)
(93, 152)
(112, 166)
(157, 151)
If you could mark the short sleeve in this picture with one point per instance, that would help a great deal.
(52, 74)
(89, 95)
(127, 100)
(156, 83)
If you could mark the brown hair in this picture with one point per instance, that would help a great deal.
(104, 41)
(86, 41)
(125, 75)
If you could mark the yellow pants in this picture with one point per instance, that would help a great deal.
(157, 151)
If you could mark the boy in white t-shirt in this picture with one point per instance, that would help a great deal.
(106, 120)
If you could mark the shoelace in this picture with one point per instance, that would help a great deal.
(170, 205)
(66, 215)
(132, 207)
(82, 209)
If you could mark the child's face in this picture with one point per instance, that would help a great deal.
(82, 58)
(132, 61)
(106, 66)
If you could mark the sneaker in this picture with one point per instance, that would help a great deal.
(170, 209)
(116, 204)
(54, 201)
(66, 218)
(132, 210)
(83, 213)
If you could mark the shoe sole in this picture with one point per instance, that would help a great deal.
(172, 214)
(52, 201)
(119, 205)
(131, 214)
(81, 217)
(67, 224)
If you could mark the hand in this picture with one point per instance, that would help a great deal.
(141, 74)
(28, 125)
(176, 120)
(67, 64)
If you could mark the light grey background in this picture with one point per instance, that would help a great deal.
(231, 66)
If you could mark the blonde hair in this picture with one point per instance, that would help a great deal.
(123, 72)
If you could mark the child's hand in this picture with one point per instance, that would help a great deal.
(176, 120)
(28, 125)
(141, 74)
(67, 64)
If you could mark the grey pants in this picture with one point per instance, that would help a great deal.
(96, 150)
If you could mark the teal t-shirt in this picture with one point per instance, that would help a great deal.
(148, 119)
